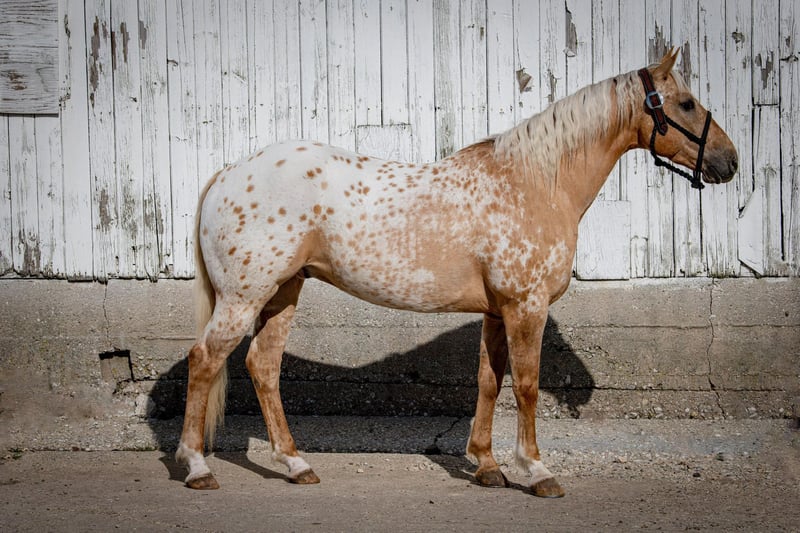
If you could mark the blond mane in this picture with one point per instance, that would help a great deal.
(541, 141)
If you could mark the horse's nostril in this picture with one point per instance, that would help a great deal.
(734, 164)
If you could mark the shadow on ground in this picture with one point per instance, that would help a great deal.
(436, 379)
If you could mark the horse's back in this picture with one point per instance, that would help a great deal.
(384, 231)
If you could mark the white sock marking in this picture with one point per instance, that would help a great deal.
(194, 460)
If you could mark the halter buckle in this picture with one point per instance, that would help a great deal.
(654, 96)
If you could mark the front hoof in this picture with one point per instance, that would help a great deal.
(547, 488)
(491, 478)
(305, 478)
(206, 482)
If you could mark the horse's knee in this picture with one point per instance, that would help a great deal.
(526, 390)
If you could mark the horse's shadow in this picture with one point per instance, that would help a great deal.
(435, 379)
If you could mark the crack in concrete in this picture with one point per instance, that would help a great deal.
(434, 449)
(711, 317)
(107, 322)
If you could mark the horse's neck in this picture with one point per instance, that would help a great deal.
(583, 172)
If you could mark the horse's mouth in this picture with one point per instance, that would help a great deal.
(720, 170)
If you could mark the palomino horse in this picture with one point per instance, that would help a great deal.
(491, 229)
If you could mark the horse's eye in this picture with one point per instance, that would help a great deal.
(687, 105)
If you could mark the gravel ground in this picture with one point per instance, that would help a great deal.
(733, 475)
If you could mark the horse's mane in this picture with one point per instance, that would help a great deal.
(540, 142)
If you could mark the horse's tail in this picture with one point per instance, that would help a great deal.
(204, 302)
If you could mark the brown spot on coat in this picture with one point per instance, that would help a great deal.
(232, 251)
(250, 188)
(280, 162)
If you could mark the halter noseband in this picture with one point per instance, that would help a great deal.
(655, 106)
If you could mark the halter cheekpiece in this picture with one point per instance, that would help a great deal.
(654, 102)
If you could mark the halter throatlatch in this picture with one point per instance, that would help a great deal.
(661, 122)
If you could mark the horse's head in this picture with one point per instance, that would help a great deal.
(674, 125)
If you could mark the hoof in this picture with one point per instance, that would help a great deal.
(491, 478)
(305, 478)
(206, 482)
(547, 488)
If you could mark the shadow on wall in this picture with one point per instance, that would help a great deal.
(438, 378)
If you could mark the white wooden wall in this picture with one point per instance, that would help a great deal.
(158, 94)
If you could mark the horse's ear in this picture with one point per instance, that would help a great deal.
(667, 62)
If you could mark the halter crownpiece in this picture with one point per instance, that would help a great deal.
(654, 102)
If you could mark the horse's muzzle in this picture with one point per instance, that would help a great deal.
(720, 167)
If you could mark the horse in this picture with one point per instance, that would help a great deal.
(491, 229)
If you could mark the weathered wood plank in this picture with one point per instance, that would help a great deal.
(235, 90)
(208, 88)
(553, 32)
(661, 248)
(580, 42)
(421, 79)
(447, 81)
(719, 203)
(25, 252)
(605, 40)
(790, 133)
(475, 31)
(50, 184)
(394, 63)
(105, 212)
(366, 20)
(314, 70)
(155, 139)
(739, 91)
(183, 117)
(526, 52)
(765, 211)
(128, 138)
(500, 69)
(341, 74)
(29, 80)
(261, 73)
(77, 207)
(288, 123)
(766, 26)
(689, 260)
(768, 178)
(6, 261)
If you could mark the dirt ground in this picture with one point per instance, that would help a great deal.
(619, 475)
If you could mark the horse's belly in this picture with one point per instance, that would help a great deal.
(403, 286)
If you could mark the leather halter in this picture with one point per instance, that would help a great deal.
(654, 103)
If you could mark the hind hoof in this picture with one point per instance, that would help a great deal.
(491, 478)
(305, 478)
(547, 488)
(206, 482)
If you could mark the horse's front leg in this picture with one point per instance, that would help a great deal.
(494, 357)
(524, 329)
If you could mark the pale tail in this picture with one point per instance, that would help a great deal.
(204, 301)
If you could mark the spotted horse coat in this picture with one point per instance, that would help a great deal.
(491, 229)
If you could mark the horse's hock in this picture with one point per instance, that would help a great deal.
(694, 348)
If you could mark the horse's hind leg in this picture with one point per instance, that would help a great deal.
(264, 364)
(206, 360)
(494, 356)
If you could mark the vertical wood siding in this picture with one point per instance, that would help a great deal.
(156, 95)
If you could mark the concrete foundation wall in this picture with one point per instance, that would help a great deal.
(695, 348)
